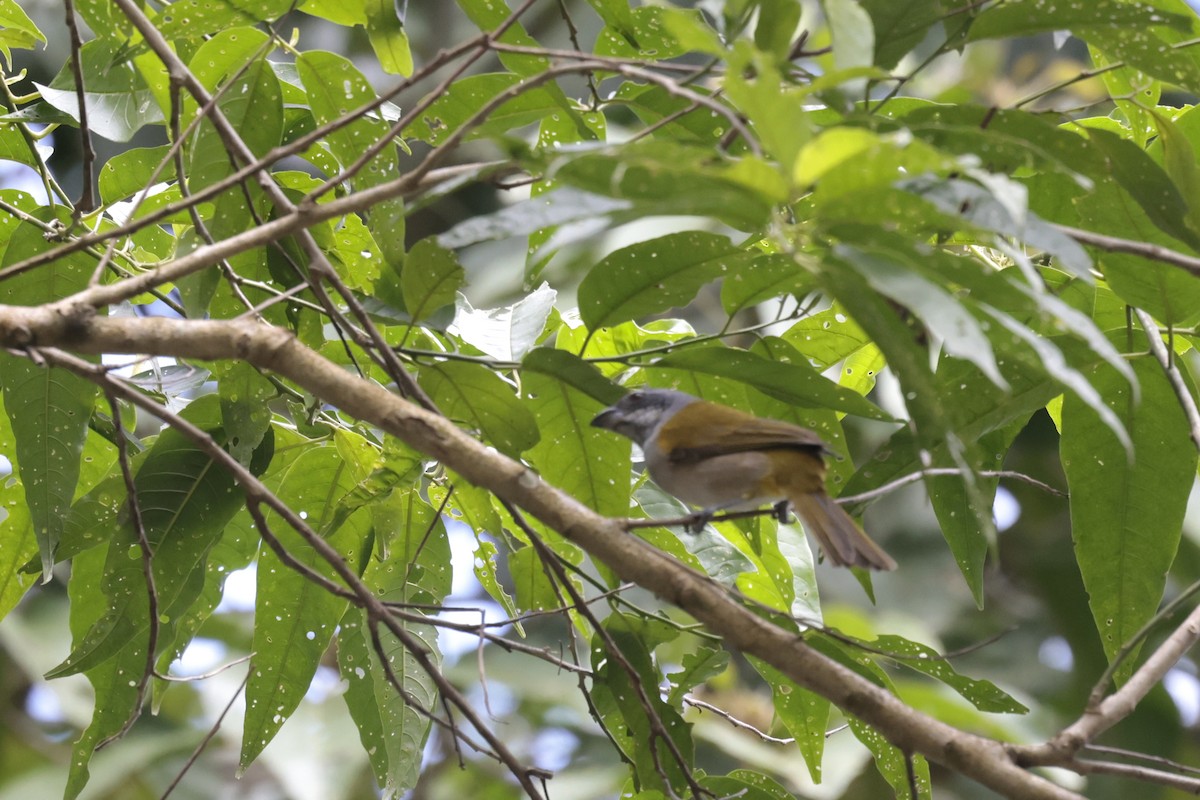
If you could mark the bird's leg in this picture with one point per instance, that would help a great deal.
(781, 512)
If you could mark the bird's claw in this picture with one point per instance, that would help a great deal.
(781, 512)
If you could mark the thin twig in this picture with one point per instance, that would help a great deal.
(1087, 766)
(913, 477)
(208, 737)
(1115, 244)
(891, 486)
(205, 675)
(691, 700)
(1186, 401)
(1121, 752)
(87, 197)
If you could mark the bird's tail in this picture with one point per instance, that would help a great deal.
(843, 542)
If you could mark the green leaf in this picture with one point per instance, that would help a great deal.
(637, 33)
(464, 98)
(191, 19)
(49, 408)
(701, 663)
(17, 542)
(861, 369)
(900, 25)
(533, 585)
(223, 56)
(1134, 171)
(105, 18)
(430, 279)
(337, 11)
(416, 572)
(469, 504)
(1126, 515)
(17, 30)
(358, 254)
(397, 468)
(245, 415)
(668, 178)
(981, 207)
(804, 714)
(1161, 50)
(119, 101)
(1055, 364)
(979, 414)
(1026, 17)
(949, 498)
(110, 681)
(767, 276)
(474, 395)
(253, 105)
(616, 14)
(389, 40)
(780, 119)
(335, 87)
(852, 32)
(655, 275)
(130, 172)
(1006, 139)
(572, 371)
(893, 764)
(295, 618)
(679, 120)
(827, 337)
(746, 785)
(589, 464)
(185, 501)
(944, 315)
(13, 146)
(488, 16)
(777, 22)
(182, 521)
(795, 382)
(984, 695)
(1169, 294)
(935, 421)
(487, 572)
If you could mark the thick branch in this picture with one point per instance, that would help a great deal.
(1118, 705)
(74, 327)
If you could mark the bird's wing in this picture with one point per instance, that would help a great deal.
(704, 430)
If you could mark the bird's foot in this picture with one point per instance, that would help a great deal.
(696, 522)
(781, 512)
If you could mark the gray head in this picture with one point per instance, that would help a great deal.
(639, 413)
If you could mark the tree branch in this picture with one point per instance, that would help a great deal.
(68, 325)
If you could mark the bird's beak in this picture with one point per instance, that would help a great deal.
(607, 419)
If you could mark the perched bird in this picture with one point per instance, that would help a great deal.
(721, 459)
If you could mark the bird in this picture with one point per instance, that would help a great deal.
(718, 458)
